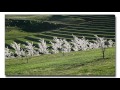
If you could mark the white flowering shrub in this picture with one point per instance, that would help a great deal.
(58, 45)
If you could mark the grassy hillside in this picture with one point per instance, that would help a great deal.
(21, 28)
(82, 63)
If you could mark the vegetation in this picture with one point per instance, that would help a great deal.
(57, 45)
(85, 25)
(22, 28)
(84, 63)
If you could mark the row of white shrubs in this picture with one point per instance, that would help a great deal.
(57, 45)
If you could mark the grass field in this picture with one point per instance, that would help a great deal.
(22, 28)
(82, 63)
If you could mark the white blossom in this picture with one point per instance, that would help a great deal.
(111, 43)
(66, 47)
(79, 44)
(58, 45)
(30, 48)
(43, 47)
(8, 53)
(17, 48)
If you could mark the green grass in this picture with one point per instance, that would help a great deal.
(28, 17)
(16, 34)
(82, 63)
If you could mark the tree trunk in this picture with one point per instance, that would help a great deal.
(27, 60)
(63, 54)
(103, 54)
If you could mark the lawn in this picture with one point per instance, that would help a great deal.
(81, 63)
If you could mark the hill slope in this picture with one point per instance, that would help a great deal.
(30, 28)
(84, 63)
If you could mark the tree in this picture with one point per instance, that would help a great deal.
(8, 53)
(30, 49)
(101, 41)
(18, 51)
(58, 45)
(43, 47)
(66, 47)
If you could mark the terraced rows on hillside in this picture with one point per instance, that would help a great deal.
(63, 27)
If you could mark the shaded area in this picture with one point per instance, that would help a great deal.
(67, 19)
(19, 41)
(32, 39)
(44, 36)
(32, 26)
(8, 45)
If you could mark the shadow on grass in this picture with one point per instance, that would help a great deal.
(99, 59)
(33, 26)
(44, 36)
(32, 39)
(19, 41)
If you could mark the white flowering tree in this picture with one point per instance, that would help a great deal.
(18, 51)
(66, 47)
(91, 45)
(56, 45)
(101, 41)
(79, 44)
(43, 47)
(8, 53)
(111, 43)
(30, 49)
(84, 44)
(75, 43)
